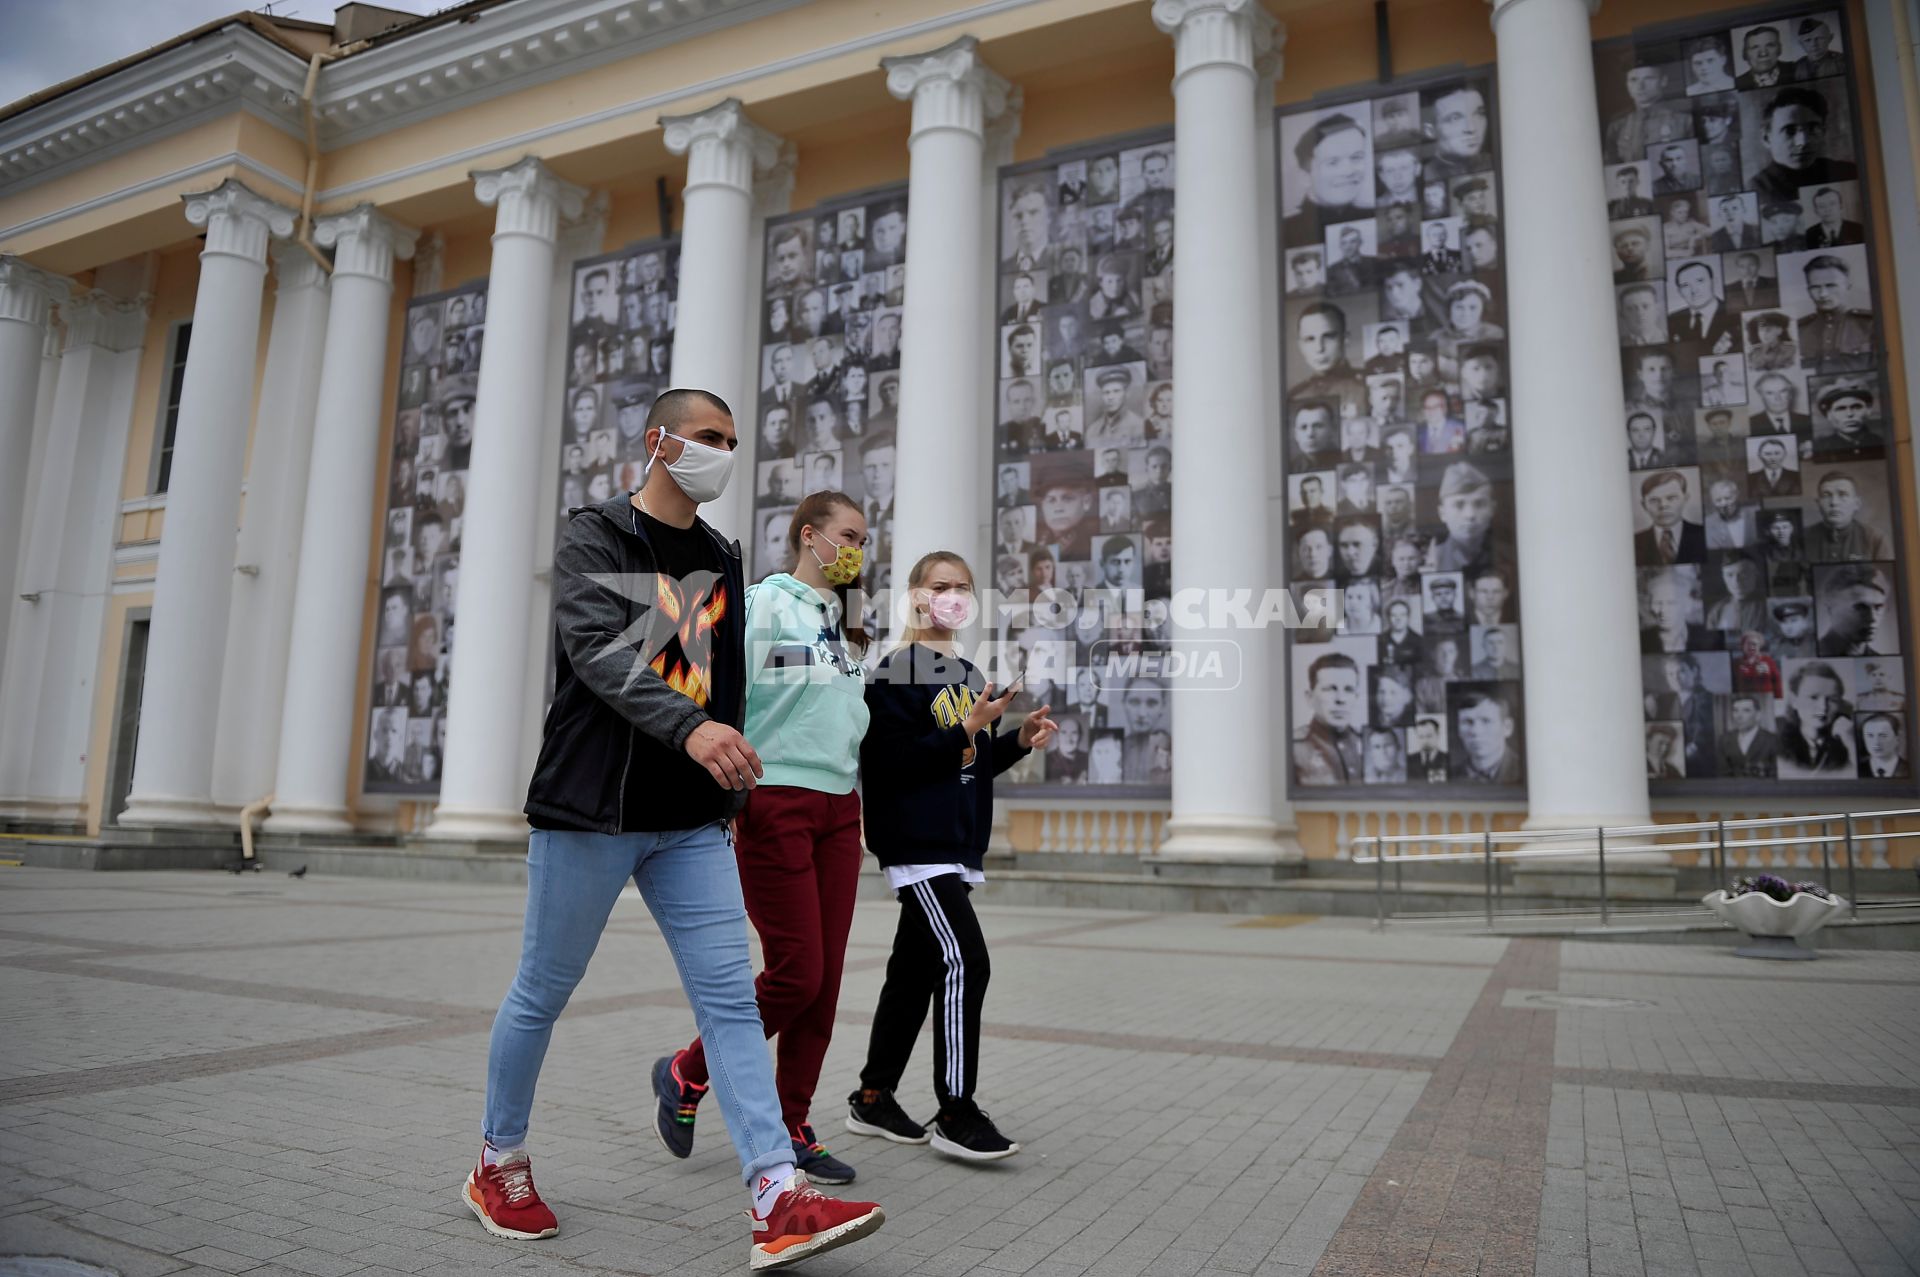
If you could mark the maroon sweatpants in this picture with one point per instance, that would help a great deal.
(799, 853)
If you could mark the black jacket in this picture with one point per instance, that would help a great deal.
(927, 791)
(612, 757)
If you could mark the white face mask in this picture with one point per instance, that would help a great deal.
(702, 471)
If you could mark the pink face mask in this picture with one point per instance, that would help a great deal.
(951, 610)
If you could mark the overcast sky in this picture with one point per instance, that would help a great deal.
(48, 41)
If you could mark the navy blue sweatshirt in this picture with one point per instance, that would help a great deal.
(927, 791)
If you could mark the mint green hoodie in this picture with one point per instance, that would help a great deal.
(806, 703)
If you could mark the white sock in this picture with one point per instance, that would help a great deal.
(490, 1156)
(768, 1187)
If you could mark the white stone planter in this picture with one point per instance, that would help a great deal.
(1776, 924)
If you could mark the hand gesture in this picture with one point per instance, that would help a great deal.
(725, 754)
(986, 711)
(1037, 732)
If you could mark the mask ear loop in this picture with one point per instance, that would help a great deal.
(652, 457)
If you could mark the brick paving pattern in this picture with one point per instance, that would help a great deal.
(205, 1074)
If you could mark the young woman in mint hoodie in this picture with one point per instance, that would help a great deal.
(928, 766)
(798, 840)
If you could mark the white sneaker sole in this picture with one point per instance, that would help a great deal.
(834, 1238)
(858, 1127)
(469, 1193)
(941, 1144)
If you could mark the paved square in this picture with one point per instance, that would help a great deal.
(208, 1074)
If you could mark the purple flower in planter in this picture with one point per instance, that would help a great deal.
(1777, 888)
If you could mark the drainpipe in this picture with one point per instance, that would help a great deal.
(304, 237)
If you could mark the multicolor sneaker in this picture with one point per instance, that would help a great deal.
(812, 1157)
(878, 1113)
(962, 1130)
(804, 1223)
(678, 1104)
(504, 1198)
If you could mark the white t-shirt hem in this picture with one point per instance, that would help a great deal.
(900, 877)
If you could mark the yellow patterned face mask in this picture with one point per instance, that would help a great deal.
(844, 568)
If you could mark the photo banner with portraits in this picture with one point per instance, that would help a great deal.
(420, 545)
(1083, 459)
(829, 371)
(619, 355)
(1757, 425)
(1398, 445)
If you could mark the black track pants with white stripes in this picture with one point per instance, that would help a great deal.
(939, 958)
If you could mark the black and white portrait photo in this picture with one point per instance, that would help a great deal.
(1083, 494)
(1397, 436)
(431, 448)
(1756, 435)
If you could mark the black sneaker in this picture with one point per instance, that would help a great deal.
(810, 1156)
(878, 1113)
(962, 1130)
(678, 1101)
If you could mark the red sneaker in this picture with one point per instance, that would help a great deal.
(804, 1223)
(504, 1198)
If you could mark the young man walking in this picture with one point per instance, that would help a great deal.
(642, 767)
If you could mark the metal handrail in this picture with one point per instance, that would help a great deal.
(1490, 847)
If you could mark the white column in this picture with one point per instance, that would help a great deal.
(27, 297)
(316, 747)
(46, 703)
(247, 742)
(193, 585)
(937, 480)
(725, 151)
(1586, 761)
(579, 237)
(1267, 69)
(1223, 740)
(483, 788)
(996, 152)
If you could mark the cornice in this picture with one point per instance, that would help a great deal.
(233, 68)
(404, 81)
(503, 50)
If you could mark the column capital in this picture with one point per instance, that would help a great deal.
(950, 88)
(529, 198)
(365, 242)
(294, 269)
(723, 147)
(428, 259)
(582, 236)
(1503, 7)
(239, 223)
(27, 293)
(1003, 130)
(94, 318)
(773, 189)
(1236, 33)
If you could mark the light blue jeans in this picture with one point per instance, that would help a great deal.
(691, 884)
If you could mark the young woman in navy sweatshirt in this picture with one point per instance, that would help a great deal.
(928, 762)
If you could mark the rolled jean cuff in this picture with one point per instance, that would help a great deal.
(765, 1162)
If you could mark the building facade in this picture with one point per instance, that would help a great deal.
(309, 337)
